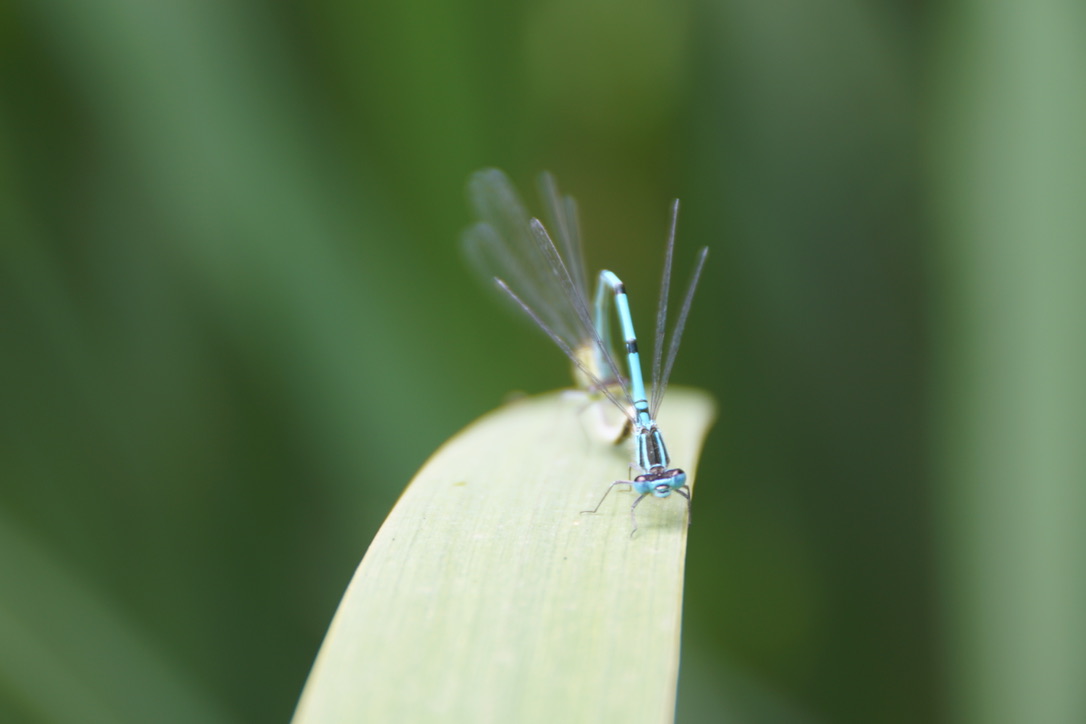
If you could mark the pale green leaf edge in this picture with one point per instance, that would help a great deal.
(488, 596)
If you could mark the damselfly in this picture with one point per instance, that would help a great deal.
(548, 281)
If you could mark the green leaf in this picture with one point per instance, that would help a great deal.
(488, 596)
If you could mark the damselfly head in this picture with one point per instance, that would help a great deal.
(661, 483)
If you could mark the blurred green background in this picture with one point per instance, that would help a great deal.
(234, 321)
